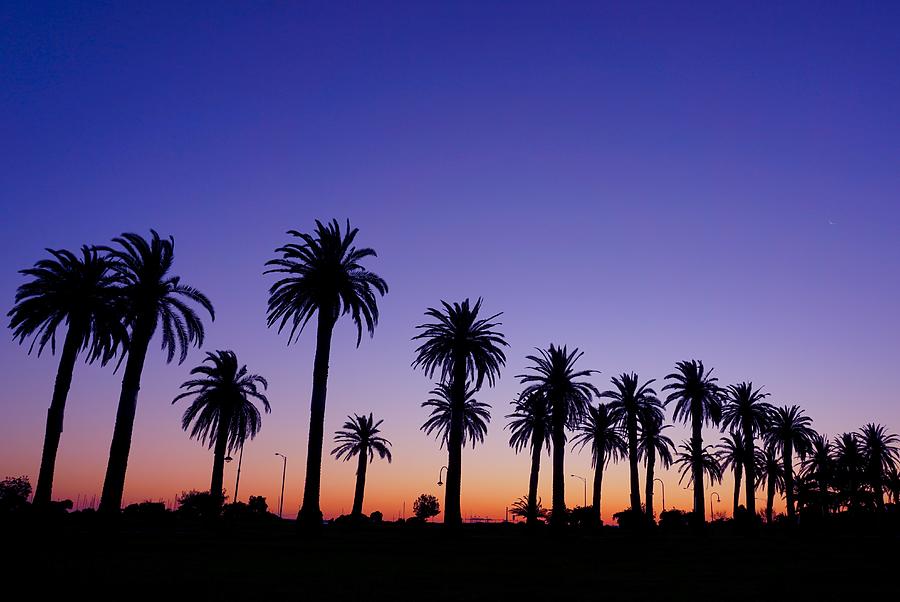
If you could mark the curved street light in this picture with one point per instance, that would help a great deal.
(440, 472)
(663, 492)
(718, 499)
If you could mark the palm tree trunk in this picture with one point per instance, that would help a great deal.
(452, 511)
(737, 490)
(537, 446)
(651, 467)
(598, 485)
(114, 482)
(310, 514)
(770, 499)
(750, 471)
(216, 485)
(43, 491)
(360, 483)
(788, 459)
(697, 467)
(633, 464)
(558, 513)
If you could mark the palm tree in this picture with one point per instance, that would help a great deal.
(462, 347)
(880, 452)
(530, 426)
(745, 411)
(818, 467)
(522, 508)
(850, 467)
(733, 454)
(554, 376)
(475, 416)
(698, 400)
(80, 292)
(636, 402)
(771, 472)
(360, 437)
(892, 484)
(789, 432)
(689, 459)
(222, 411)
(601, 428)
(322, 274)
(653, 444)
(152, 300)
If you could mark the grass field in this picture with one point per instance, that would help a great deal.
(482, 562)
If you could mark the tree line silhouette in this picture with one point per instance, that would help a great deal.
(114, 300)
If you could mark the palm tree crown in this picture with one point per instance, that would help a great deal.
(530, 419)
(685, 462)
(475, 416)
(744, 409)
(653, 437)
(554, 376)
(790, 429)
(697, 396)
(602, 430)
(360, 435)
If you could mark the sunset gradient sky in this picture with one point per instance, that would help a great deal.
(645, 181)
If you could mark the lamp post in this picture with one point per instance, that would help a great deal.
(663, 491)
(237, 480)
(440, 472)
(584, 482)
(718, 499)
(283, 473)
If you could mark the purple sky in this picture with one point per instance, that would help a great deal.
(647, 182)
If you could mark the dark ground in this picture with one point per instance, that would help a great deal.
(482, 562)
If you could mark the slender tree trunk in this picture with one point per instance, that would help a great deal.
(877, 486)
(750, 470)
(44, 489)
(633, 464)
(697, 466)
(452, 511)
(114, 482)
(216, 485)
(558, 513)
(598, 485)
(310, 514)
(770, 499)
(651, 467)
(737, 490)
(537, 446)
(788, 459)
(361, 467)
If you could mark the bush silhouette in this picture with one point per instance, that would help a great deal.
(426, 506)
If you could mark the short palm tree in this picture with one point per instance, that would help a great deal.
(746, 411)
(789, 431)
(732, 454)
(222, 414)
(698, 401)
(522, 508)
(880, 451)
(553, 375)
(361, 437)
(463, 348)
(654, 444)
(321, 275)
(529, 426)
(688, 459)
(771, 473)
(152, 300)
(636, 403)
(80, 292)
(601, 429)
(849, 471)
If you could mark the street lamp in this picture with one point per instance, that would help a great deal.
(283, 472)
(584, 481)
(718, 499)
(440, 472)
(663, 491)
(237, 480)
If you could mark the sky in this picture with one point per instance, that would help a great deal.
(648, 182)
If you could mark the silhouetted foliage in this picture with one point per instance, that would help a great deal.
(14, 492)
(688, 459)
(521, 508)
(771, 473)
(360, 438)
(631, 518)
(789, 431)
(426, 506)
(601, 429)
(199, 504)
(879, 448)
(146, 511)
(653, 444)
(529, 425)
(745, 412)
(673, 519)
(475, 416)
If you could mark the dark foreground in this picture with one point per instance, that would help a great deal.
(482, 562)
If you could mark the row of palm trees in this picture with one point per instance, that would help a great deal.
(115, 299)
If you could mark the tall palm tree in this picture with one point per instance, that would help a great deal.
(790, 431)
(553, 375)
(152, 300)
(745, 411)
(818, 467)
(601, 428)
(771, 472)
(222, 411)
(530, 427)
(733, 454)
(698, 401)
(880, 451)
(653, 444)
(322, 274)
(689, 459)
(849, 470)
(361, 437)
(462, 347)
(636, 403)
(80, 292)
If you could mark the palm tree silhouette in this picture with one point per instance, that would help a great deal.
(771, 472)
(880, 451)
(745, 411)
(360, 437)
(698, 400)
(152, 299)
(522, 508)
(222, 411)
(601, 428)
(818, 467)
(475, 416)
(850, 467)
(554, 376)
(463, 348)
(789, 432)
(322, 274)
(653, 444)
(733, 454)
(689, 459)
(636, 402)
(80, 292)
(892, 484)
(530, 426)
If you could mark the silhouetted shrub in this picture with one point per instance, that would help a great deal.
(376, 517)
(631, 519)
(582, 517)
(673, 519)
(146, 511)
(199, 504)
(14, 493)
(426, 506)
(258, 505)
